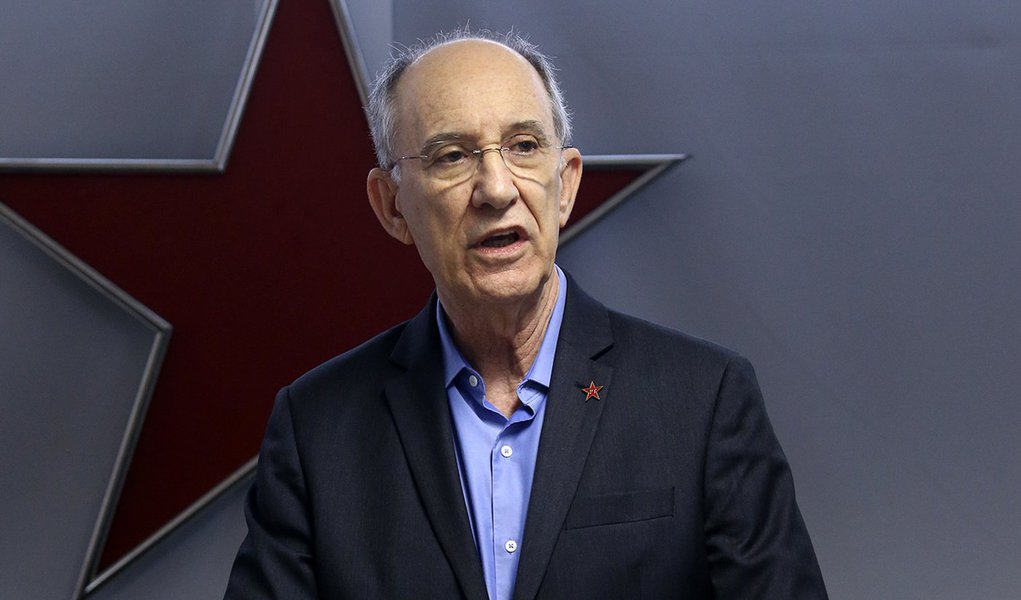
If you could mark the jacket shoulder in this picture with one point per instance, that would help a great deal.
(633, 334)
(354, 370)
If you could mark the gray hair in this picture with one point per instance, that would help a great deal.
(382, 111)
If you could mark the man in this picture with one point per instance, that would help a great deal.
(516, 439)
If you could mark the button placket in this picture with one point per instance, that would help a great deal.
(505, 476)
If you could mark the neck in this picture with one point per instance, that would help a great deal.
(502, 341)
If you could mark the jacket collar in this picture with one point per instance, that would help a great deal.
(567, 432)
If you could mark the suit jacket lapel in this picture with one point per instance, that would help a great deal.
(421, 412)
(570, 424)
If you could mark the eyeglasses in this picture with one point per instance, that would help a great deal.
(456, 161)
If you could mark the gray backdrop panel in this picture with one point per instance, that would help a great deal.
(105, 79)
(72, 363)
(193, 562)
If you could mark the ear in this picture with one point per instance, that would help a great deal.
(570, 179)
(382, 191)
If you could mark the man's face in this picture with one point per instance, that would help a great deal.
(491, 237)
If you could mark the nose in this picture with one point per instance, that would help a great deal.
(494, 183)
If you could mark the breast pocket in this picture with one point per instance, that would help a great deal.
(624, 507)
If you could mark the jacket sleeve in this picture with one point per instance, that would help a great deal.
(756, 541)
(275, 558)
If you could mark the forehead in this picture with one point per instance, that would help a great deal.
(470, 87)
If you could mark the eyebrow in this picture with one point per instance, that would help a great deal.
(530, 126)
(441, 137)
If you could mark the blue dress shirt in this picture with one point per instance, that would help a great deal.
(496, 455)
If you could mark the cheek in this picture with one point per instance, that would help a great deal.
(433, 235)
(418, 219)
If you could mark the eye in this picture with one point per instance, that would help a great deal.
(448, 155)
(523, 145)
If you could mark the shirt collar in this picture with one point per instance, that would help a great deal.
(542, 368)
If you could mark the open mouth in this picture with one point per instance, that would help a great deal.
(500, 240)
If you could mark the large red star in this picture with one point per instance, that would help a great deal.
(264, 271)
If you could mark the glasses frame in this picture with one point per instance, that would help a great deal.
(503, 148)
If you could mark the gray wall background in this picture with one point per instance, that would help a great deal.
(111, 79)
(65, 407)
(850, 221)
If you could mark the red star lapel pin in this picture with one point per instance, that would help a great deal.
(592, 391)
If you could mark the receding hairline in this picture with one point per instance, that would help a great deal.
(506, 50)
(481, 41)
(514, 55)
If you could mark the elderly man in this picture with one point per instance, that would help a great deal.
(516, 439)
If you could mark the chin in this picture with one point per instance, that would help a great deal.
(509, 286)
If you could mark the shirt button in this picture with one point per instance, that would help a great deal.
(473, 380)
(506, 452)
(510, 546)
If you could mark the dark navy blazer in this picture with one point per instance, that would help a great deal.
(670, 485)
